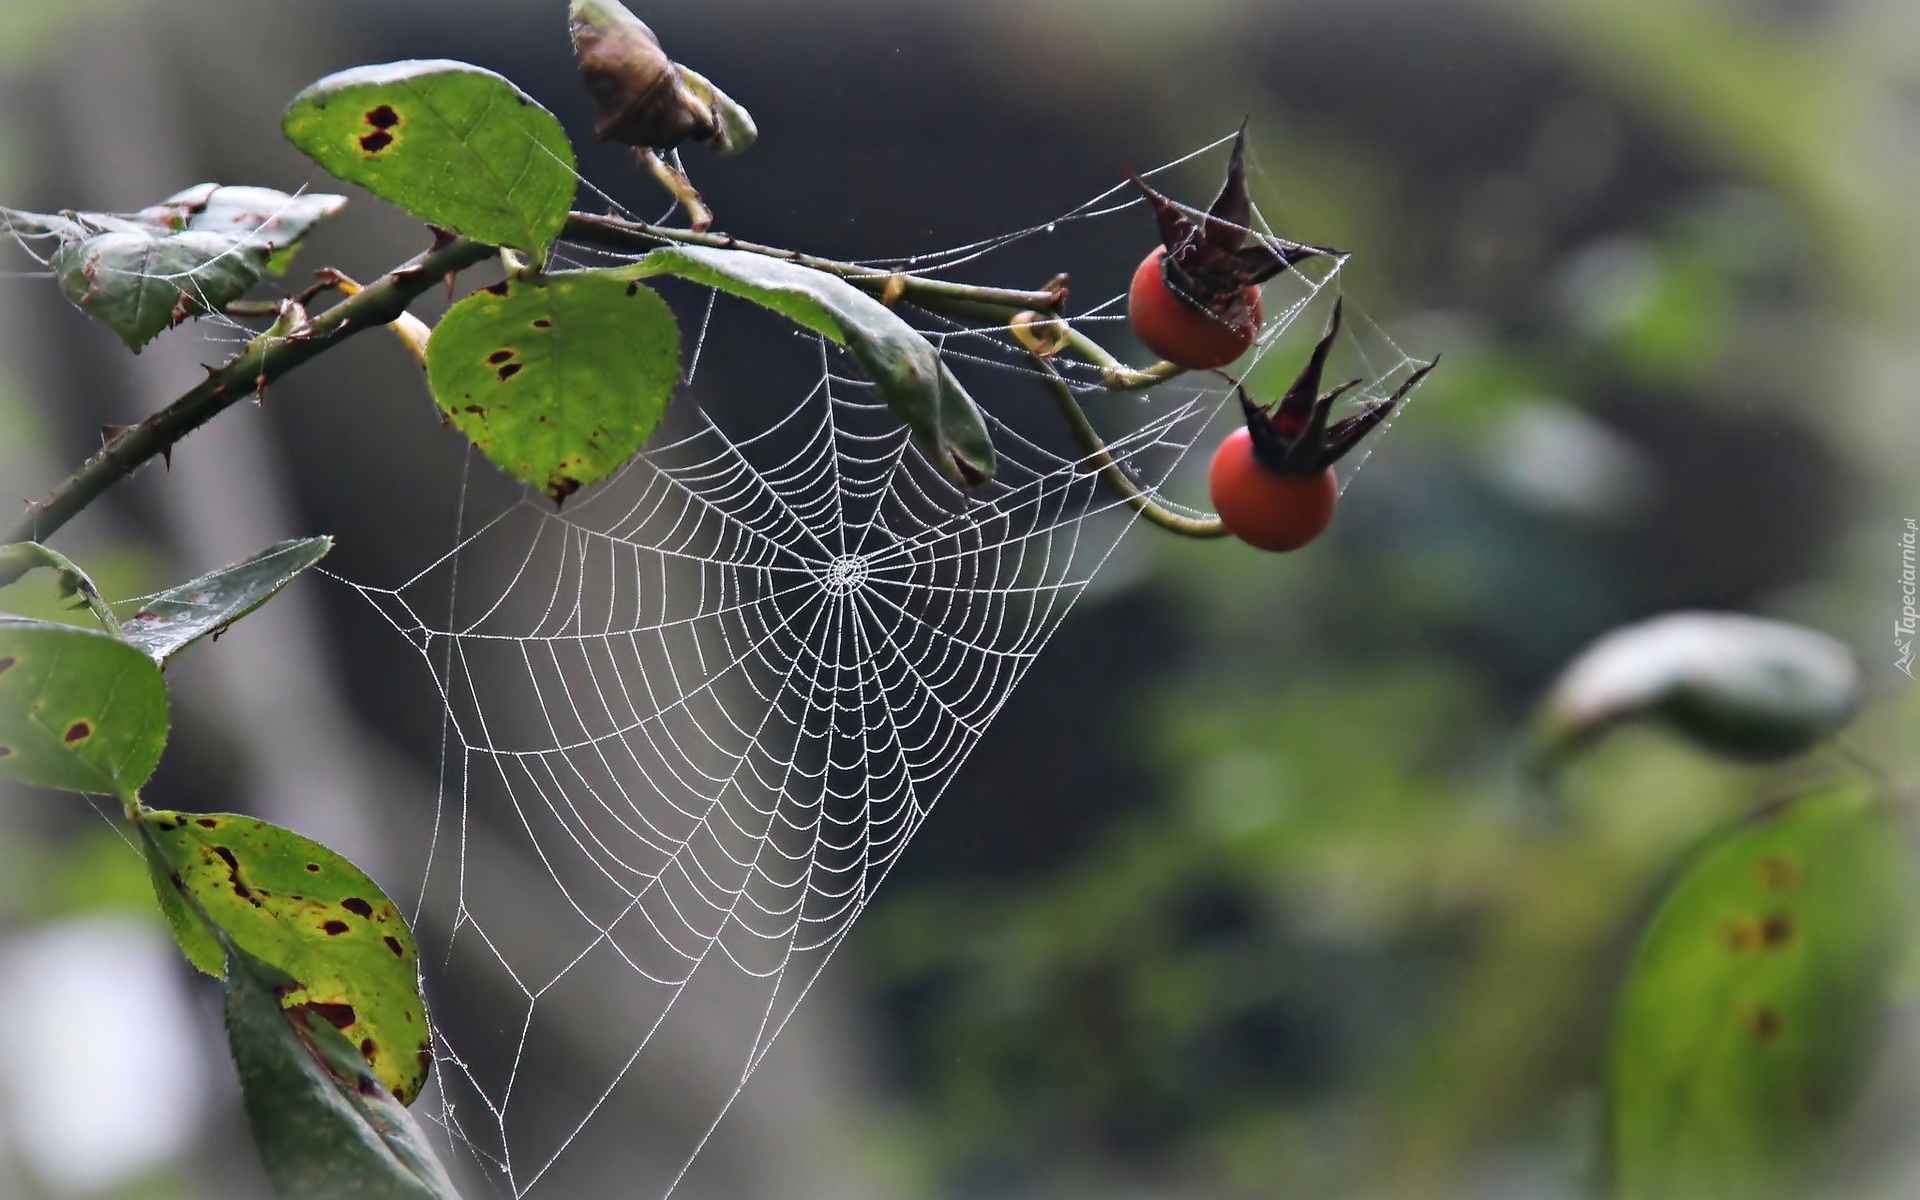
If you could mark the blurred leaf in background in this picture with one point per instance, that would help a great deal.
(1756, 1001)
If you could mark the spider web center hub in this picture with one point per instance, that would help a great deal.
(847, 573)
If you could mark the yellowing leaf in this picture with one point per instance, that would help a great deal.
(309, 912)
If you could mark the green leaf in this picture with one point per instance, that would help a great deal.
(189, 255)
(558, 379)
(451, 143)
(20, 557)
(1736, 685)
(326, 1129)
(296, 904)
(79, 710)
(1755, 1001)
(169, 622)
(902, 364)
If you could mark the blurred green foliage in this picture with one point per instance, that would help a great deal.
(1340, 949)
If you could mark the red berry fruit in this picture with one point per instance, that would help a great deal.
(1195, 300)
(1272, 480)
(1263, 507)
(1179, 329)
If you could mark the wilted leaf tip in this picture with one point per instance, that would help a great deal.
(639, 95)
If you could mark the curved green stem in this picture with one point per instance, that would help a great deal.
(964, 300)
(1110, 472)
(1115, 375)
(264, 360)
(616, 234)
(680, 187)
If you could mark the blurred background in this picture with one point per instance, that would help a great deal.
(1240, 896)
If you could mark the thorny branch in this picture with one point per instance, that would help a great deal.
(263, 361)
(266, 359)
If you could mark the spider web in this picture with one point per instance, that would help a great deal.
(712, 701)
(717, 697)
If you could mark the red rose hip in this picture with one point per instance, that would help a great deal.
(1180, 330)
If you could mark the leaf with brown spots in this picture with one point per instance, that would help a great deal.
(324, 1125)
(79, 709)
(558, 379)
(1763, 980)
(457, 146)
(332, 929)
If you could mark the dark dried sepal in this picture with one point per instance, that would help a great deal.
(1346, 434)
(1295, 412)
(1204, 285)
(1210, 267)
(1231, 215)
(1175, 229)
(1307, 455)
(1294, 437)
(1268, 257)
(640, 96)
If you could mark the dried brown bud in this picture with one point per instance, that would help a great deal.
(737, 130)
(639, 94)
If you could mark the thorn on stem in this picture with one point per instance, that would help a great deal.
(330, 279)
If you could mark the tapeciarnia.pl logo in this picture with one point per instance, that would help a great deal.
(1904, 625)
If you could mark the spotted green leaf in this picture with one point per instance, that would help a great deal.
(1737, 685)
(559, 378)
(451, 143)
(289, 900)
(1755, 1001)
(326, 1129)
(903, 365)
(79, 709)
(191, 254)
(170, 621)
